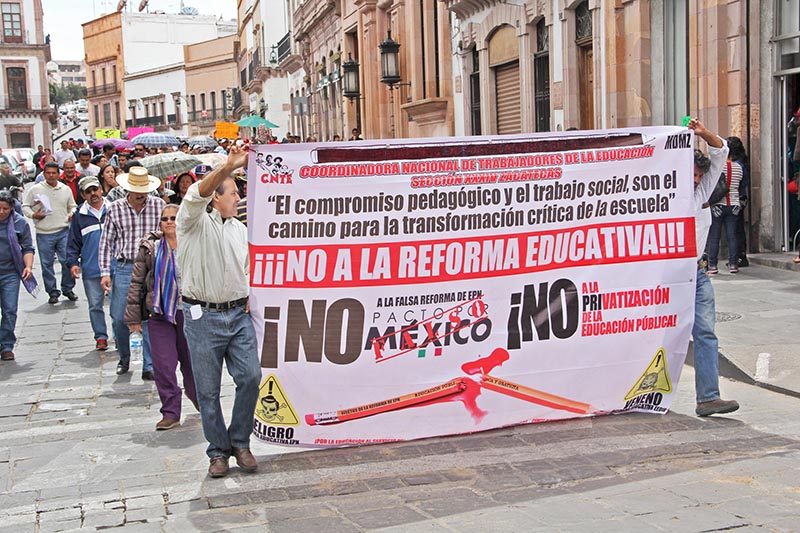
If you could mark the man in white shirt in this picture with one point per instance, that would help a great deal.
(214, 262)
(85, 166)
(706, 344)
(52, 229)
(64, 153)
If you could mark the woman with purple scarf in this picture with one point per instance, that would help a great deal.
(154, 295)
(16, 264)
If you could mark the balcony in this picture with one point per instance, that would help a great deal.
(24, 42)
(252, 81)
(266, 69)
(157, 123)
(27, 103)
(289, 60)
(16, 104)
(240, 105)
(102, 90)
(208, 116)
(150, 121)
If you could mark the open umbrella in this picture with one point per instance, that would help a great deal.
(204, 141)
(156, 140)
(165, 165)
(254, 121)
(214, 159)
(119, 144)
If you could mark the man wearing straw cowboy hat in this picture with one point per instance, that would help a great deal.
(127, 221)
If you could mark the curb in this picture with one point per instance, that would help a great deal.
(782, 262)
(729, 369)
(737, 373)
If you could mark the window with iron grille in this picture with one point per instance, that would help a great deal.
(12, 22)
(541, 77)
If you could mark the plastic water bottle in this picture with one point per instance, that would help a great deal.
(137, 346)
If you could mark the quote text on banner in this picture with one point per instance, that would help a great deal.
(421, 287)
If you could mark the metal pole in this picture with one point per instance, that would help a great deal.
(782, 194)
(391, 109)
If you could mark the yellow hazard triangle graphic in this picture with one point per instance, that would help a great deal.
(654, 378)
(273, 406)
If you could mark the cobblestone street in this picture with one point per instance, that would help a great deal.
(78, 450)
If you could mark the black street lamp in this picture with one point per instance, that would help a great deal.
(351, 89)
(390, 68)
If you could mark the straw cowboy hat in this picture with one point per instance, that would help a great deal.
(138, 180)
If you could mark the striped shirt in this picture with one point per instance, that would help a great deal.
(734, 180)
(241, 211)
(124, 228)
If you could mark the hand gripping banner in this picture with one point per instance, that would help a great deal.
(421, 287)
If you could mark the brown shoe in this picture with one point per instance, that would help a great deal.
(716, 407)
(167, 423)
(245, 459)
(218, 467)
(7, 356)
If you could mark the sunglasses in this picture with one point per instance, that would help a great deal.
(91, 189)
(168, 219)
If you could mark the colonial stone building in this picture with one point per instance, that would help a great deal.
(263, 87)
(469, 67)
(105, 70)
(25, 111)
(210, 74)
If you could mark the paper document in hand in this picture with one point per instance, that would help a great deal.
(41, 204)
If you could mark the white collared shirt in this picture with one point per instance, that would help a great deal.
(212, 254)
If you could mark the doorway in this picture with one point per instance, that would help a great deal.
(788, 158)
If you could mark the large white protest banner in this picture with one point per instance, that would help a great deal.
(420, 287)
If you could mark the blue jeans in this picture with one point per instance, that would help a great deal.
(706, 345)
(9, 299)
(215, 337)
(49, 246)
(729, 221)
(120, 283)
(94, 295)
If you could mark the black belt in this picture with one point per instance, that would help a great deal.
(125, 261)
(224, 306)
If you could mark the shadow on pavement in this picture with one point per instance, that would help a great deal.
(9, 369)
(447, 476)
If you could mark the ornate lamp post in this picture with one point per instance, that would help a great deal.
(390, 70)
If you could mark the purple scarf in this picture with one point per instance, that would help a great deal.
(165, 293)
(16, 253)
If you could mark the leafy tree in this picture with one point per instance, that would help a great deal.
(62, 94)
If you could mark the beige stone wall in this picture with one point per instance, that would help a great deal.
(210, 67)
(102, 43)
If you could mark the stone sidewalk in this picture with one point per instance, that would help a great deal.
(78, 451)
(758, 311)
